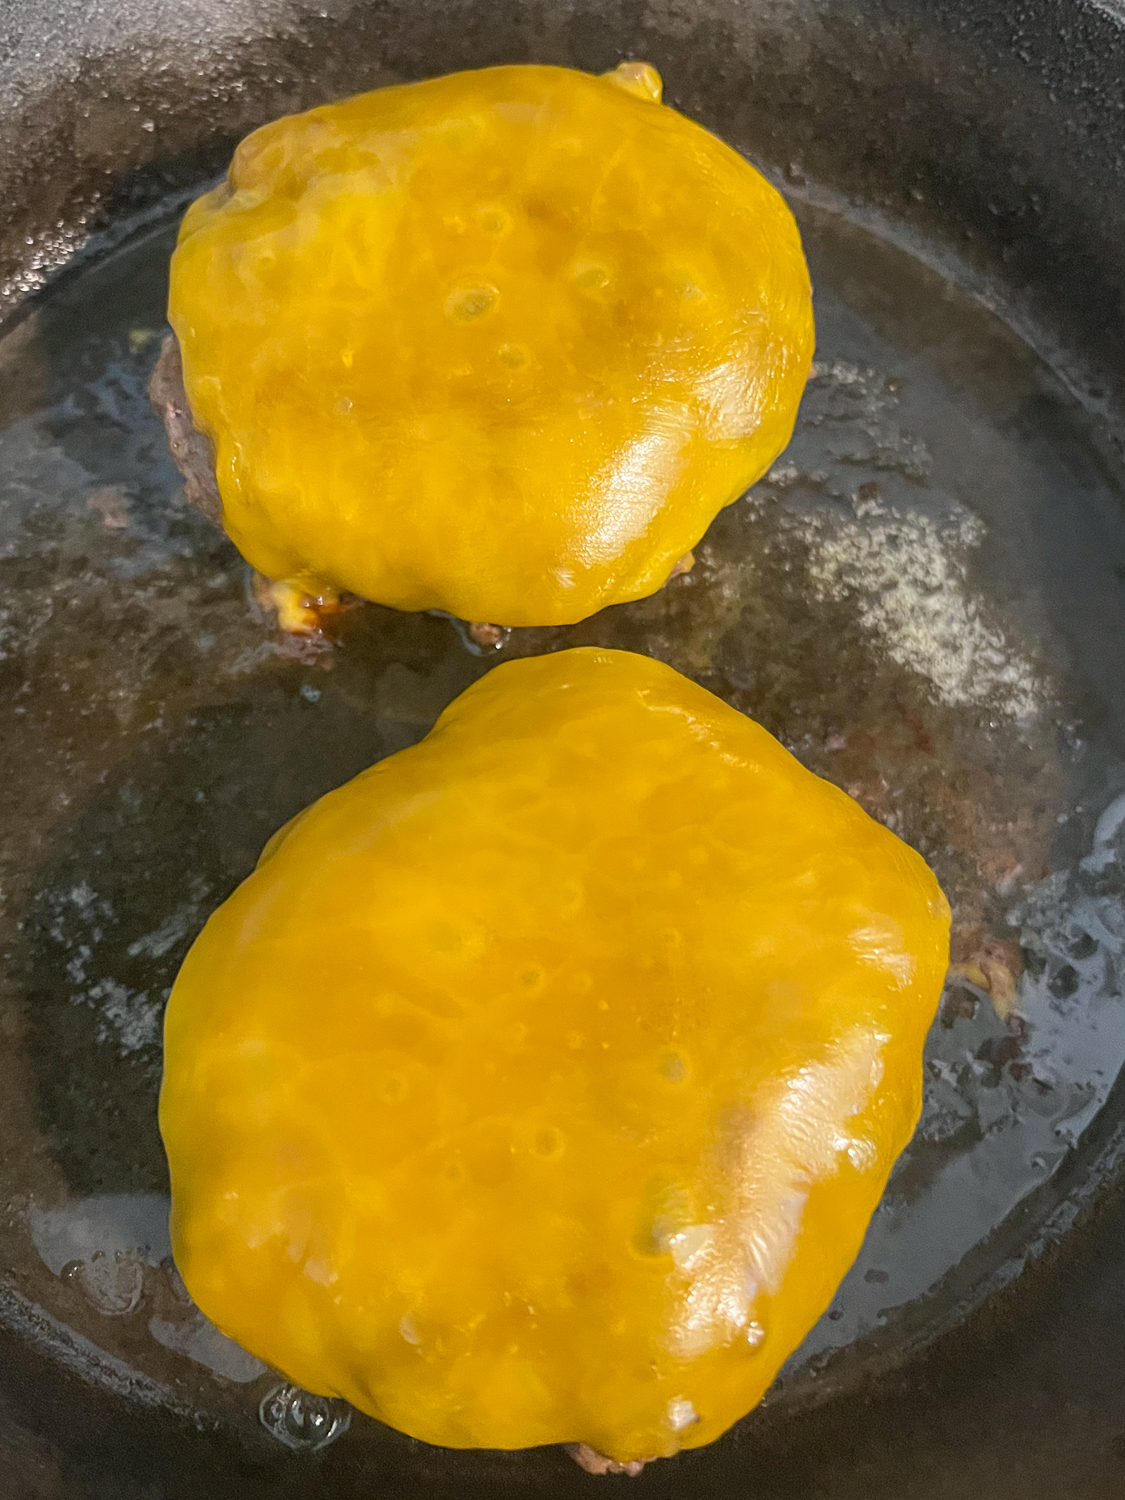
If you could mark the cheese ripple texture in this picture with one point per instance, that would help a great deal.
(501, 343)
(539, 1084)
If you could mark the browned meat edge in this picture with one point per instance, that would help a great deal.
(598, 1463)
(191, 449)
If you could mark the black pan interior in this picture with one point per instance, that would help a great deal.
(956, 176)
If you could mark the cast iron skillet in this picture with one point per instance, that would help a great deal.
(930, 588)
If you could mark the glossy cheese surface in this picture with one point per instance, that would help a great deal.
(500, 343)
(539, 1084)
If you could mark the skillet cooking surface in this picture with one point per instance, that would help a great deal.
(897, 601)
(923, 600)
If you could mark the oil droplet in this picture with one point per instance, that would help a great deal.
(469, 303)
(1064, 982)
(301, 1420)
(112, 1284)
(755, 1335)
